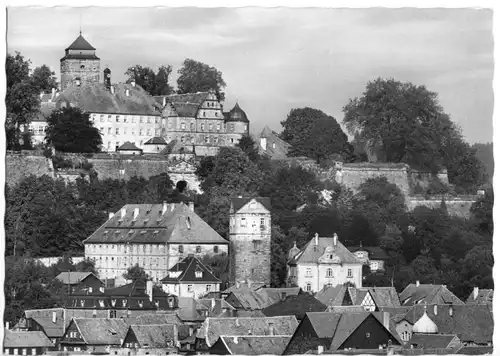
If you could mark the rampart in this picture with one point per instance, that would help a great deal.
(19, 165)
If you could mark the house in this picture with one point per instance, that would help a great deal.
(324, 261)
(218, 308)
(448, 342)
(129, 148)
(472, 324)
(25, 343)
(370, 298)
(52, 322)
(272, 146)
(154, 236)
(94, 335)
(480, 296)
(240, 286)
(213, 328)
(372, 256)
(331, 332)
(427, 293)
(250, 345)
(249, 300)
(80, 280)
(155, 145)
(297, 305)
(151, 339)
(190, 278)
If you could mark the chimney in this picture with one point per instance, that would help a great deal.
(149, 290)
(417, 284)
(101, 289)
(190, 331)
(316, 239)
(164, 100)
(124, 211)
(320, 349)
(249, 282)
(53, 94)
(237, 321)
(136, 213)
(90, 289)
(435, 309)
(335, 239)
(450, 310)
(127, 92)
(386, 317)
(475, 292)
(213, 303)
(111, 215)
(121, 342)
(191, 206)
(164, 207)
(235, 339)
(112, 88)
(271, 329)
(237, 284)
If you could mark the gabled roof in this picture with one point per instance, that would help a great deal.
(74, 277)
(311, 252)
(102, 331)
(254, 300)
(255, 345)
(80, 44)
(153, 224)
(297, 305)
(155, 319)
(25, 339)
(484, 296)
(382, 296)
(332, 296)
(427, 293)
(471, 323)
(240, 202)
(213, 328)
(188, 268)
(43, 317)
(155, 336)
(374, 252)
(242, 287)
(432, 341)
(218, 308)
(129, 146)
(156, 141)
(276, 148)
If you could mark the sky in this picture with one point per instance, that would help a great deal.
(277, 59)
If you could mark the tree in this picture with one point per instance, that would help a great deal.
(484, 152)
(482, 212)
(314, 134)
(248, 145)
(44, 79)
(196, 77)
(154, 84)
(401, 122)
(70, 130)
(136, 274)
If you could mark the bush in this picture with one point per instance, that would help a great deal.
(87, 166)
(47, 152)
(61, 163)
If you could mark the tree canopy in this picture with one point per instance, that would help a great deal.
(154, 83)
(136, 274)
(71, 130)
(197, 76)
(44, 79)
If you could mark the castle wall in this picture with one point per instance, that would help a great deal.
(456, 206)
(72, 68)
(24, 164)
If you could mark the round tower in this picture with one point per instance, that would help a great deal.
(80, 63)
(250, 240)
(237, 124)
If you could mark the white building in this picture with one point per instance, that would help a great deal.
(323, 262)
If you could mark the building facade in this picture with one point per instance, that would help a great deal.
(153, 236)
(324, 262)
(250, 240)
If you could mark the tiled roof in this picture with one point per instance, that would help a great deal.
(471, 323)
(95, 98)
(382, 296)
(427, 293)
(296, 305)
(155, 336)
(102, 331)
(332, 295)
(256, 345)
(277, 151)
(218, 308)
(484, 296)
(20, 339)
(374, 252)
(129, 146)
(80, 56)
(188, 268)
(280, 292)
(80, 44)
(156, 141)
(213, 328)
(186, 109)
(46, 109)
(153, 319)
(73, 277)
(236, 114)
(189, 98)
(345, 309)
(255, 300)
(312, 252)
(177, 224)
(242, 287)
(432, 341)
(238, 203)
(43, 317)
(189, 310)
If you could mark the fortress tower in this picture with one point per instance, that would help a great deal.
(80, 64)
(250, 240)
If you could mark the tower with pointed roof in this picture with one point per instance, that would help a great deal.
(80, 65)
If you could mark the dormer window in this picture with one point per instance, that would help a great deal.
(198, 249)
(198, 274)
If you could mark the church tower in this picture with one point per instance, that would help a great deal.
(80, 64)
(250, 241)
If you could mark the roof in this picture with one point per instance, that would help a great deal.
(213, 328)
(102, 331)
(297, 305)
(129, 146)
(332, 295)
(471, 323)
(190, 310)
(484, 296)
(236, 114)
(425, 325)
(43, 317)
(95, 98)
(20, 339)
(345, 309)
(156, 141)
(427, 293)
(242, 287)
(311, 252)
(155, 319)
(154, 336)
(240, 202)
(188, 98)
(382, 296)
(74, 277)
(217, 307)
(432, 341)
(255, 300)
(374, 252)
(276, 148)
(80, 44)
(188, 269)
(256, 345)
(156, 225)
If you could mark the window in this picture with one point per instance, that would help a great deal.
(101, 129)
(208, 288)
(133, 131)
(216, 249)
(124, 130)
(141, 132)
(102, 118)
(109, 118)
(190, 288)
(157, 132)
(157, 120)
(329, 272)
(209, 127)
(349, 273)
(183, 126)
(256, 244)
(207, 139)
(368, 335)
(109, 130)
(133, 119)
(141, 119)
(262, 223)
(204, 114)
(81, 67)
(181, 249)
(149, 132)
(198, 249)
(218, 126)
(243, 222)
(373, 266)
(117, 118)
(149, 120)
(25, 351)
(192, 126)
(198, 274)
(308, 287)
(309, 272)
(125, 119)
(202, 127)
(231, 127)
(169, 125)
(406, 336)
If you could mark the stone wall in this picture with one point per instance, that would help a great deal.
(456, 206)
(19, 165)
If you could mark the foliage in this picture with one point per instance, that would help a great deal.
(482, 212)
(314, 134)
(484, 152)
(71, 130)
(153, 83)
(136, 274)
(196, 77)
(249, 146)
(44, 79)
(219, 264)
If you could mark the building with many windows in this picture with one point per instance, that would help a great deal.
(323, 262)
